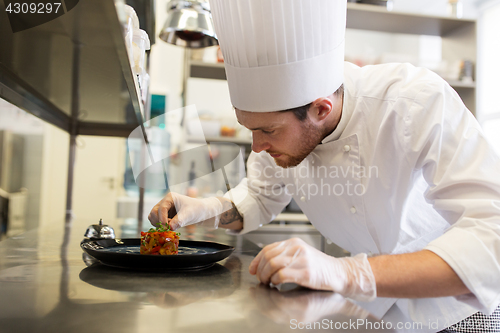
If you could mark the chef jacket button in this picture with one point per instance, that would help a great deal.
(347, 148)
(260, 225)
(303, 199)
(328, 241)
(353, 210)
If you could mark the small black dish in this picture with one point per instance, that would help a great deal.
(124, 253)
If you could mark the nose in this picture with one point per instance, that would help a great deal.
(259, 143)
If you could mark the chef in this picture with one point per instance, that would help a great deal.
(385, 161)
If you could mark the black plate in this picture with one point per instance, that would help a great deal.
(124, 253)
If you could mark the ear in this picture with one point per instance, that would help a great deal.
(320, 109)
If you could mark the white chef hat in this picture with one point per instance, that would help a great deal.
(280, 54)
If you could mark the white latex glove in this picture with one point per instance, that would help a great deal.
(295, 261)
(179, 211)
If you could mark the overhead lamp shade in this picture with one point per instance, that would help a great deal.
(189, 24)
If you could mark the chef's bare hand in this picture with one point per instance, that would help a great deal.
(297, 262)
(178, 210)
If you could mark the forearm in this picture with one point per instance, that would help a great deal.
(230, 218)
(415, 275)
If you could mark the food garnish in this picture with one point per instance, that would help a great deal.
(160, 241)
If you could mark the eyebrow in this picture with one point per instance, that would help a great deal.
(258, 128)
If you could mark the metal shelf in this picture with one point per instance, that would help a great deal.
(460, 84)
(38, 73)
(239, 141)
(206, 70)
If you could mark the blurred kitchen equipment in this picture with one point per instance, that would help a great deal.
(228, 127)
(100, 231)
(131, 24)
(17, 212)
(4, 212)
(189, 24)
(455, 8)
(466, 72)
(386, 3)
(140, 44)
(203, 128)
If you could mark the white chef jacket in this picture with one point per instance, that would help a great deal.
(421, 175)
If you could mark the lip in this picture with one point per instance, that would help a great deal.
(275, 155)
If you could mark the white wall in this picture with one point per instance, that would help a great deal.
(489, 70)
(488, 59)
(54, 176)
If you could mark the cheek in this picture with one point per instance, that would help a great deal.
(285, 142)
(293, 136)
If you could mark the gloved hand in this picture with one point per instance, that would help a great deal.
(295, 261)
(179, 211)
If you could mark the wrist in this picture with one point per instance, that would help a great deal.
(213, 204)
(214, 208)
(360, 283)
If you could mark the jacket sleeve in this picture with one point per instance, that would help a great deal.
(259, 197)
(446, 143)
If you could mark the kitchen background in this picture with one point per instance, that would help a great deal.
(34, 154)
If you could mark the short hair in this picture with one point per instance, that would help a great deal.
(301, 111)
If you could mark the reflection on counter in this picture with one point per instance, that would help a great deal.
(303, 305)
(166, 290)
(310, 310)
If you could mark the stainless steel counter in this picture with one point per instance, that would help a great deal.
(45, 286)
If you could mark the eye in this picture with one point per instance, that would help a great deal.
(268, 132)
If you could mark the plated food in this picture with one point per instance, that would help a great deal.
(160, 241)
